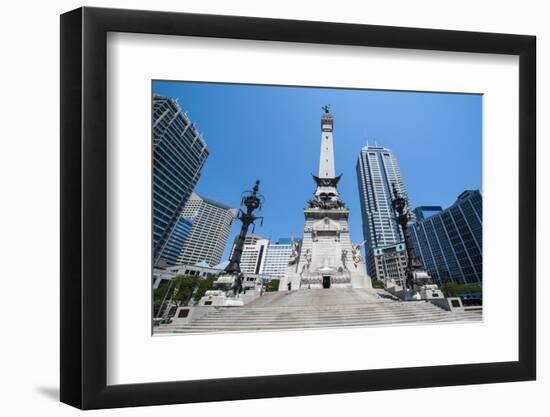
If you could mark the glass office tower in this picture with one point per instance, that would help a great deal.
(424, 212)
(449, 243)
(377, 170)
(278, 255)
(179, 153)
(168, 255)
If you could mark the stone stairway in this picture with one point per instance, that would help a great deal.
(303, 309)
(320, 297)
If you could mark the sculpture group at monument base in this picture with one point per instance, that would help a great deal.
(324, 279)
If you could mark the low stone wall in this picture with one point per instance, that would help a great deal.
(186, 314)
(449, 304)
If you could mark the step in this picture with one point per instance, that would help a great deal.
(267, 326)
(214, 328)
(309, 309)
(309, 314)
(343, 316)
(341, 319)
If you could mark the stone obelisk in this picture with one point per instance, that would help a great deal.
(327, 257)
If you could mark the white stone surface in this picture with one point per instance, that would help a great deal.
(326, 160)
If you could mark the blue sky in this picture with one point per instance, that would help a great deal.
(272, 133)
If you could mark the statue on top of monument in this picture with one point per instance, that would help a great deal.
(326, 108)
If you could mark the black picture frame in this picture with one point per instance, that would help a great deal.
(84, 207)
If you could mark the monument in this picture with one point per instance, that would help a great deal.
(327, 257)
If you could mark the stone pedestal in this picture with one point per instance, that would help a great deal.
(430, 291)
(327, 259)
(220, 298)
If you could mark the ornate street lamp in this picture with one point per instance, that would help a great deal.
(414, 266)
(252, 200)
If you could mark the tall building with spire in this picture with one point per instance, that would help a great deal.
(377, 171)
(327, 258)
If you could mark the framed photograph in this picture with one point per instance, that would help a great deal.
(257, 208)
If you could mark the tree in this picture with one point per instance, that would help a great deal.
(377, 283)
(180, 289)
(204, 285)
(272, 285)
(453, 289)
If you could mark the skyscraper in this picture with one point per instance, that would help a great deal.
(211, 226)
(424, 212)
(179, 153)
(254, 254)
(278, 255)
(449, 243)
(168, 255)
(377, 170)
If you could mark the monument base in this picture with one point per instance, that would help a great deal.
(325, 279)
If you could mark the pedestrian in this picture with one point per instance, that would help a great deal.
(289, 286)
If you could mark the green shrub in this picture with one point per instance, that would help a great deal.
(272, 285)
(452, 289)
(377, 283)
